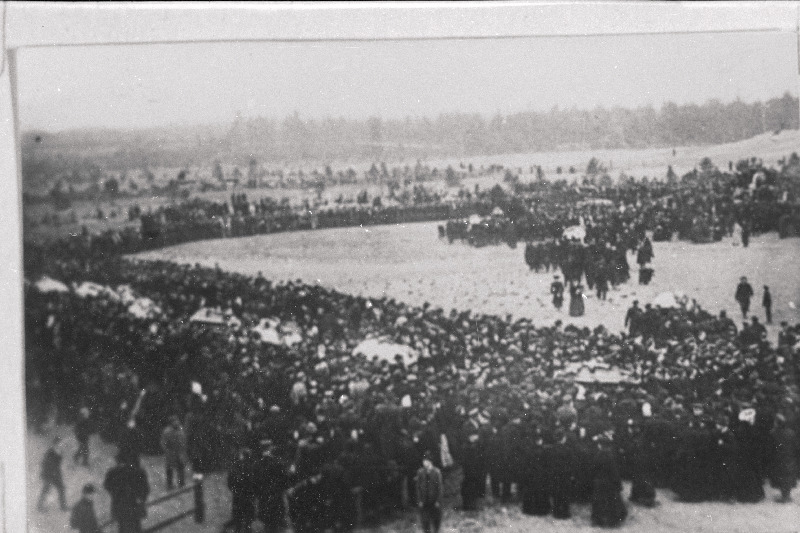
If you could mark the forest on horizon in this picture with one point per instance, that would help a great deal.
(297, 140)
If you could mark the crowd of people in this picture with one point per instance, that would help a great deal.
(312, 431)
(700, 207)
(487, 394)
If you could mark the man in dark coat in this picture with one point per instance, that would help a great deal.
(83, 517)
(534, 482)
(272, 479)
(557, 290)
(783, 471)
(608, 509)
(749, 483)
(51, 475)
(474, 474)
(128, 486)
(339, 504)
(632, 319)
(643, 490)
(560, 460)
(241, 483)
(429, 495)
(743, 294)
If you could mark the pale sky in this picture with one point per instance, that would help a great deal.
(159, 85)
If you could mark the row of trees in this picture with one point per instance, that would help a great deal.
(463, 134)
(295, 139)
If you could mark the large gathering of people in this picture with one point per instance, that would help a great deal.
(695, 408)
(314, 433)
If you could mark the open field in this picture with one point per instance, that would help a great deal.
(411, 264)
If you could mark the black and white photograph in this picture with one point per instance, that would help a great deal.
(400, 267)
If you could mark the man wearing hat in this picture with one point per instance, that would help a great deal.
(128, 486)
(429, 494)
(743, 294)
(83, 517)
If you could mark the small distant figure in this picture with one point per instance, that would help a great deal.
(83, 517)
(645, 253)
(766, 301)
(759, 331)
(645, 275)
(632, 318)
(83, 431)
(174, 445)
(52, 476)
(745, 235)
(576, 306)
(557, 290)
(429, 494)
(744, 291)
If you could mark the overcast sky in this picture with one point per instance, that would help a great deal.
(156, 85)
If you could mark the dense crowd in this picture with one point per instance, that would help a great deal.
(696, 408)
(556, 415)
(700, 207)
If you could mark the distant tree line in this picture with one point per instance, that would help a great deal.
(296, 139)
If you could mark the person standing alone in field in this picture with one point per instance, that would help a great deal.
(174, 443)
(743, 294)
(429, 495)
(766, 301)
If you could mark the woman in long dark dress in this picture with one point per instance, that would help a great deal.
(535, 494)
(608, 509)
(560, 459)
(643, 491)
(783, 471)
(576, 307)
